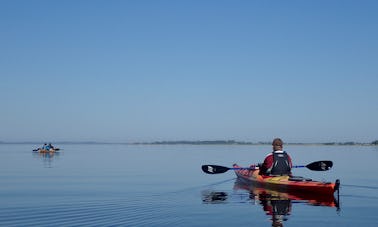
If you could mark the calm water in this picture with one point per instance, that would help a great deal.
(124, 185)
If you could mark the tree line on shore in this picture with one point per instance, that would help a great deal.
(234, 142)
(202, 142)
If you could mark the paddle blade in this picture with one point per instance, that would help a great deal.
(214, 169)
(320, 165)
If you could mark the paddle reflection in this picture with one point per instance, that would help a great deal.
(214, 197)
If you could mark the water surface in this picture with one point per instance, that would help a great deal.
(163, 185)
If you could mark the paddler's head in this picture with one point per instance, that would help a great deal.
(277, 144)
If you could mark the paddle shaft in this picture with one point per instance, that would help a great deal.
(315, 166)
(256, 167)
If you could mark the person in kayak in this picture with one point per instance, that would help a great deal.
(277, 163)
(44, 146)
(48, 147)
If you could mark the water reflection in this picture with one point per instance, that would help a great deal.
(46, 157)
(214, 197)
(276, 204)
(276, 207)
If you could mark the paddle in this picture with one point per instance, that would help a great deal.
(315, 166)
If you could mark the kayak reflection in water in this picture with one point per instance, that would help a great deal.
(277, 204)
(46, 157)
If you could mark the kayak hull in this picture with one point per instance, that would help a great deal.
(44, 151)
(315, 199)
(286, 183)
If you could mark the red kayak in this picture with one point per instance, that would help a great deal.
(315, 199)
(286, 183)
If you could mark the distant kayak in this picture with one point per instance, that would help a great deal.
(286, 183)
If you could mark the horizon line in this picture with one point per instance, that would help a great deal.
(194, 142)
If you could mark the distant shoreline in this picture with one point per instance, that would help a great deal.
(200, 142)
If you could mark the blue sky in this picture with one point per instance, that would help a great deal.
(127, 71)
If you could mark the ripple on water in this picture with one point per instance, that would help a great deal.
(150, 210)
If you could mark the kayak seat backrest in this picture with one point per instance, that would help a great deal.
(298, 178)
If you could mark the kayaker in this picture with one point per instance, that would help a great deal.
(49, 147)
(277, 163)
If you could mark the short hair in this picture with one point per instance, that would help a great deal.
(277, 144)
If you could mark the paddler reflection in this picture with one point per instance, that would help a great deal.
(275, 207)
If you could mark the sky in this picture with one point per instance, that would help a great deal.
(143, 71)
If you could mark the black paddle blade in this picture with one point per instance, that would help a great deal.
(214, 169)
(320, 165)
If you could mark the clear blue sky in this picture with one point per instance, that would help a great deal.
(126, 71)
